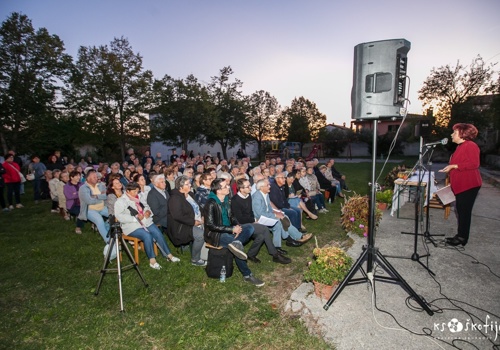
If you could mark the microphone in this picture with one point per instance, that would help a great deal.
(440, 142)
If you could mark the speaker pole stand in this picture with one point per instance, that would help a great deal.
(371, 253)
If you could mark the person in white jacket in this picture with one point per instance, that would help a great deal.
(136, 221)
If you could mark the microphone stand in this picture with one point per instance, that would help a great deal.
(427, 234)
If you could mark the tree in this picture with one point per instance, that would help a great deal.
(336, 140)
(181, 109)
(228, 115)
(32, 66)
(111, 91)
(448, 86)
(263, 112)
(304, 119)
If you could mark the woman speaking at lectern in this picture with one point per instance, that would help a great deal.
(465, 179)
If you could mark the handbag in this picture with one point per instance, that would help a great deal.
(30, 177)
(218, 258)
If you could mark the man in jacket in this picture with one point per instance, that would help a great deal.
(221, 228)
(241, 206)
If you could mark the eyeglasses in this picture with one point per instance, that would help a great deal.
(247, 187)
(187, 184)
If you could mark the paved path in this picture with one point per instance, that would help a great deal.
(463, 290)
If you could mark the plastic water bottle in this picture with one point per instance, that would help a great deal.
(222, 277)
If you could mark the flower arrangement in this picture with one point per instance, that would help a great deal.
(385, 196)
(355, 214)
(394, 175)
(331, 264)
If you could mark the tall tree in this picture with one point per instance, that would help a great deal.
(180, 111)
(110, 89)
(228, 116)
(32, 66)
(448, 86)
(263, 111)
(305, 120)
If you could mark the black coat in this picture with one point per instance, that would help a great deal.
(181, 219)
(159, 207)
(213, 221)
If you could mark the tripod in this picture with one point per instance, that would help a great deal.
(115, 233)
(371, 253)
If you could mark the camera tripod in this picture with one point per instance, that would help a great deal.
(116, 240)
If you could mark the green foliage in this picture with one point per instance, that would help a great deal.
(110, 90)
(304, 120)
(448, 86)
(32, 66)
(336, 140)
(330, 264)
(385, 196)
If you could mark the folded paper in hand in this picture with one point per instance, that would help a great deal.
(267, 221)
(446, 195)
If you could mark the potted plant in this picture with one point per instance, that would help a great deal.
(384, 199)
(355, 214)
(328, 268)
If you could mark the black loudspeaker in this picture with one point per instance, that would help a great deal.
(379, 79)
(423, 128)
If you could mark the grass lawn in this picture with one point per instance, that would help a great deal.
(49, 275)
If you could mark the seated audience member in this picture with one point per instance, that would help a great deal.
(196, 181)
(334, 173)
(141, 180)
(63, 180)
(136, 221)
(222, 228)
(294, 197)
(53, 184)
(157, 200)
(115, 170)
(185, 223)
(280, 201)
(44, 185)
(113, 192)
(241, 206)
(71, 190)
(125, 179)
(92, 195)
(261, 206)
(331, 186)
(170, 179)
(201, 195)
(310, 183)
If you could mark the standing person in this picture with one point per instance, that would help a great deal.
(465, 178)
(12, 179)
(2, 185)
(222, 228)
(63, 180)
(38, 169)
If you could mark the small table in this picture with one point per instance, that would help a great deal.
(402, 187)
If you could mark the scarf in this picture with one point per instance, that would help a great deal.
(138, 205)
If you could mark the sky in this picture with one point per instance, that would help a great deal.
(286, 47)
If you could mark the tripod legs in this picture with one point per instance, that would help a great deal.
(115, 242)
(374, 253)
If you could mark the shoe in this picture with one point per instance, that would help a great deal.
(11, 207)
(305, 238)
(341, 195)
(347, 190)
(280, 259)
(173, 259)
(456, 241)
(5, 209)
(312, 217)
(19, 206)
(281, 251)
(293, 243)
(66, 218)
(155, 266)
(254, 259)
(78, 231)
(236, 248)
(323, 211)
(254, 280)
(55, 211)
(200, 262)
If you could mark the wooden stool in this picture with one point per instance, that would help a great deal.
(137, 243)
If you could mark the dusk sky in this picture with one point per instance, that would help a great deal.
(288, 48)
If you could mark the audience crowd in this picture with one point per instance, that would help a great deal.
(196, 201)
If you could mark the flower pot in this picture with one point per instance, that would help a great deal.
(324, 291)
(382, 206)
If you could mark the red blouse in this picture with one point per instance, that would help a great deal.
(467, 175)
